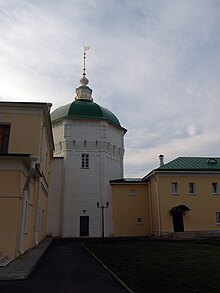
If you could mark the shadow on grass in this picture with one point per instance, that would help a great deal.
(163, 266)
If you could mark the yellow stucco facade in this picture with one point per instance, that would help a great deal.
(25, 154)
(131, 214)
(31, 123)
(203, 204)
(169, 202)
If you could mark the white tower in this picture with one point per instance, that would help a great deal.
(91, 141)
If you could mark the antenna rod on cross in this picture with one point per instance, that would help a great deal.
(86, 48)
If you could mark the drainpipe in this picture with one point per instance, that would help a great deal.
(37, 215)
(158, 206)
(24, 198)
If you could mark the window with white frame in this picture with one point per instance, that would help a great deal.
(217, 217)
(214, 187)
(139, 221)
(85, 161)
(192, 188)
(132, 192)
(174, 188)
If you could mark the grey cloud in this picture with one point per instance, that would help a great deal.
(155, 64)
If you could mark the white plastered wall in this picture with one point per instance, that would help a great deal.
(82, 188)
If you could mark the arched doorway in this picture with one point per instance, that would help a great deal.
(177, 213)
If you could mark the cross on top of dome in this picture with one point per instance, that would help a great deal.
(83, 92)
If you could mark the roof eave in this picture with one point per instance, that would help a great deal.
(182, 171)
(127, 181)
(88, 117)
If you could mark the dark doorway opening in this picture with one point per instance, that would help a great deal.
(84, 226)
(178, 221)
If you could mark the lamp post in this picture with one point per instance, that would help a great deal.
(102, 207)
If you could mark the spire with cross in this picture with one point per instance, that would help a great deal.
(84, 92)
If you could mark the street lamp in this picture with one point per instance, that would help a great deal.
(102, 207)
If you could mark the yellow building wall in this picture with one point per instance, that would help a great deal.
(130, 202)
(155, 207)
(45, 160)
(28, 236)
(203, 204)
(25, 138)
(43, 206)
(37, 214)
(9, 211)
(24, 128)
(6, 186)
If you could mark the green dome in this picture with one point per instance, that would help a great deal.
(84, 109)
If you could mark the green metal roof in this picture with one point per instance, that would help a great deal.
(84, 109)
(192, 164)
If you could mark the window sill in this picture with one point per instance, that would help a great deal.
(192, 194)
(175, 194)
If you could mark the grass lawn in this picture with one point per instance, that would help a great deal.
(163, 266)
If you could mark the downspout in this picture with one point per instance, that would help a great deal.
(37, 215)
(150, 206)
(24, 197)
(38, 190)
(158, 207)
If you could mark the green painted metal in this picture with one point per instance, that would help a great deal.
(192, 163)
(84, 109)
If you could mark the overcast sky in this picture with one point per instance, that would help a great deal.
(154, 63)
